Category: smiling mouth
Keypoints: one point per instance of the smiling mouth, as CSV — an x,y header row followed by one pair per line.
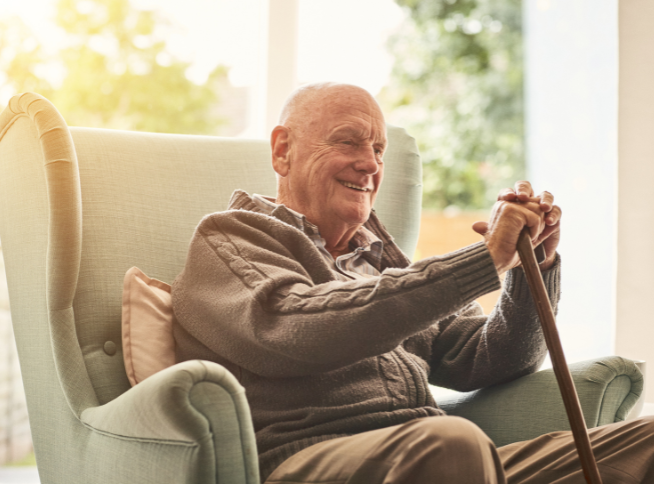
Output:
x,y
354,187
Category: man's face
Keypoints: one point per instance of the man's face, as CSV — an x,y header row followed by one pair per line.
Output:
x,y
336,164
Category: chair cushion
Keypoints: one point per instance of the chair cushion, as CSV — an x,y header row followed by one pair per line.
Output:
x,y
147,329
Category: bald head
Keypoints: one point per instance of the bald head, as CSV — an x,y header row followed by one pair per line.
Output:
x,y
305,106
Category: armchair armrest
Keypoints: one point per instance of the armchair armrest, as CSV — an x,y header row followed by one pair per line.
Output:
x,y
198,404
531,406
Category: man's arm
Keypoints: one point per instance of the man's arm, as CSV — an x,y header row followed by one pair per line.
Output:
x,y
470,350
257,293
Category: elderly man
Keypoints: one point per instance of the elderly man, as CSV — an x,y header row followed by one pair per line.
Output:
x,y
335,334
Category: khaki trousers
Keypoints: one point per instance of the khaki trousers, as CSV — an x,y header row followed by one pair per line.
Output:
x,y
453,450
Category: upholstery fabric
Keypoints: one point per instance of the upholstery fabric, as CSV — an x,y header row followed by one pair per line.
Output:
x,y
78,207
617,380
147,326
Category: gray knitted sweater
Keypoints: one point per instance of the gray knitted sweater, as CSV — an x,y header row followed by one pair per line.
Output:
x,y
321,358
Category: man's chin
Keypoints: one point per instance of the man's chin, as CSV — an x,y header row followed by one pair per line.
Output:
x,y
358,218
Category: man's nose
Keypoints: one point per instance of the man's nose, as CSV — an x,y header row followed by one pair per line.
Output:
x,y
367,162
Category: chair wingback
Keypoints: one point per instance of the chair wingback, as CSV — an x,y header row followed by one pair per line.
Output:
x,y
49,172
116,199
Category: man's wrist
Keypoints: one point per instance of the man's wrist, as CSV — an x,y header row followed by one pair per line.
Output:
x,y
548,263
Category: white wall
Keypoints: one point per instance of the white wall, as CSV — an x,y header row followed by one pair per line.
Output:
x,y
282,56
571,104
635,269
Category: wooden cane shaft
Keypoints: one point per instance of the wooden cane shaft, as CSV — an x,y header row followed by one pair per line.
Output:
x,y
563,377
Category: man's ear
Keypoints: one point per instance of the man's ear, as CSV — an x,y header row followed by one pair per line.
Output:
x,y
280,144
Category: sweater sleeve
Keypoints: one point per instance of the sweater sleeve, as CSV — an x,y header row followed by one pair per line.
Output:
x,y
469,350
259,294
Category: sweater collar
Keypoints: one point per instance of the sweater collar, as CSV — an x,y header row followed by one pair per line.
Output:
x,y
362,239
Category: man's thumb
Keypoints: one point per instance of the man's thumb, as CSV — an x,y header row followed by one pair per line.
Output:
x,y
480,227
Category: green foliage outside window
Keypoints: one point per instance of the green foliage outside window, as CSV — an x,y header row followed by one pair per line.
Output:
x,y
116,71
457,86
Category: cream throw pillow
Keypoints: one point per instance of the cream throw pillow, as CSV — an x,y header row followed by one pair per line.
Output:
x,y
148,343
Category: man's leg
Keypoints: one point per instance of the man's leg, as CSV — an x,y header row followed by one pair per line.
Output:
x,y
426,450
624,452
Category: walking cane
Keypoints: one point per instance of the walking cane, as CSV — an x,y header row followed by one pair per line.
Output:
x,y
566,385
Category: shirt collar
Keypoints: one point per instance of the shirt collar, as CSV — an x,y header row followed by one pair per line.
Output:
x,y
363,237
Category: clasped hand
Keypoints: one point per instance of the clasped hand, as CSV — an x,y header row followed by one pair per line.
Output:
x,y
516,208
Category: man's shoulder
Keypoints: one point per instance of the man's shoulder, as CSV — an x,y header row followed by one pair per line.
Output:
x,y
239,220
240,209
244,219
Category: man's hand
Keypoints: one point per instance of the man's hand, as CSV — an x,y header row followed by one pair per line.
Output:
x,y
515,209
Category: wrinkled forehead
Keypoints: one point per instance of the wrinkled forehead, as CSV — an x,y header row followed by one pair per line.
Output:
x,y
354,110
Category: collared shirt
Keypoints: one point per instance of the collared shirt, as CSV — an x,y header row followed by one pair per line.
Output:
x,y
347,266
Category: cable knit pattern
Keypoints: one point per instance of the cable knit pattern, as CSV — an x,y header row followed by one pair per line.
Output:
x,y
322,358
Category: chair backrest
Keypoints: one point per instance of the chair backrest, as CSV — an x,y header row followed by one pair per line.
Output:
x,y
79,206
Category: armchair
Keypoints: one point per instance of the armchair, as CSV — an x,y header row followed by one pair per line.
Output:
x,y
80,206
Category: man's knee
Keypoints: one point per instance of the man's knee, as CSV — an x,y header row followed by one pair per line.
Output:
x,y
450,447
454,432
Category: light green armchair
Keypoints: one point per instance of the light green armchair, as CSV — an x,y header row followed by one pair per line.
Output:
x,y
78,207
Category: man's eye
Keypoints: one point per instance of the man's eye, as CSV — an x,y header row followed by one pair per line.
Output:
x,y
349,143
